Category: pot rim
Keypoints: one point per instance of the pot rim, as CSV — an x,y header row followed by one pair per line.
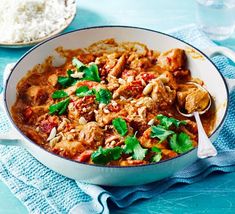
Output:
x,y
111,26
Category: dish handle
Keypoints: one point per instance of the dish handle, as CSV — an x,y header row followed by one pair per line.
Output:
x,y
214,51
11,137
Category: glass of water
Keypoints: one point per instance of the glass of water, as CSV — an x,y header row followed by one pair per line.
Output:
x,y
216,18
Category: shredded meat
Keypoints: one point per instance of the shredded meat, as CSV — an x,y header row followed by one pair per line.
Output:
x,y
172,60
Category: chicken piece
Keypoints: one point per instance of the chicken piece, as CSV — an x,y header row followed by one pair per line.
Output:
x,y
107,62
139,63
82,107
36,95
197,100
181,96
92,135
172,60
118,68
146,141
132,89
138,112
163,95
52,79
67,148
113,83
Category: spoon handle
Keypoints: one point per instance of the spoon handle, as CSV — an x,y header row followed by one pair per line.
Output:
x,y
205,147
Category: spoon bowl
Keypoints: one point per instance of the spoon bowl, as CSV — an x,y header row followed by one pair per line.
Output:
x,y
202,111
205,147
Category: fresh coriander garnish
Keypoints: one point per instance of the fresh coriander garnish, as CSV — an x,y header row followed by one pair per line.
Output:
x,y
133,147
83,91
60,107
103,96
78,64
181,143
167,122
59,94
67,81
120,125
158,154
91,72
160,132
104,156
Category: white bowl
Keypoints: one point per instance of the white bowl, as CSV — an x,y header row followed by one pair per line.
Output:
x,y
200,66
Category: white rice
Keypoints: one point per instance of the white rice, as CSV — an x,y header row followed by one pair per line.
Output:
x,y
29,20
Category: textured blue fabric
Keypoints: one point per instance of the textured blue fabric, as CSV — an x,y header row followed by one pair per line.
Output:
x,y
44,191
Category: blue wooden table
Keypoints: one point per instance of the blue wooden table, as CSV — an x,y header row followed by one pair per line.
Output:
x,y
216,194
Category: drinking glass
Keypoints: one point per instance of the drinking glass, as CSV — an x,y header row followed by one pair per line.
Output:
x,y
216,18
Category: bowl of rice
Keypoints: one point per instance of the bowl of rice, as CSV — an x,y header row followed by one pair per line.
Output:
x,y
28,22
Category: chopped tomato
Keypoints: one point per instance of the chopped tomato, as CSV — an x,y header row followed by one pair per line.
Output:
x,y
113,108
28,112
135,88
127,73
85,156
48,124
147,77
89,84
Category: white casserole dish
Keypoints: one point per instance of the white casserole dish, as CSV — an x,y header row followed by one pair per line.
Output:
x,y
200,66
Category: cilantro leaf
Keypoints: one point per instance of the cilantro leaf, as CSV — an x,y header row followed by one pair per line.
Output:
x,y
91,73
59,94
133,147
160,132
69,72
158,154
120,125
167,122
155,149
67,80
181,143
104,156
84,91
60,107
103,96
78,64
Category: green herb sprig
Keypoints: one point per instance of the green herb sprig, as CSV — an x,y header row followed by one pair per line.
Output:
x,y
133,147
179,143
167,122
59,94
104,156
120,125
59,107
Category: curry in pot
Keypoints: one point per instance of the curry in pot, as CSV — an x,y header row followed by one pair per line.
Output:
x,y
112,104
